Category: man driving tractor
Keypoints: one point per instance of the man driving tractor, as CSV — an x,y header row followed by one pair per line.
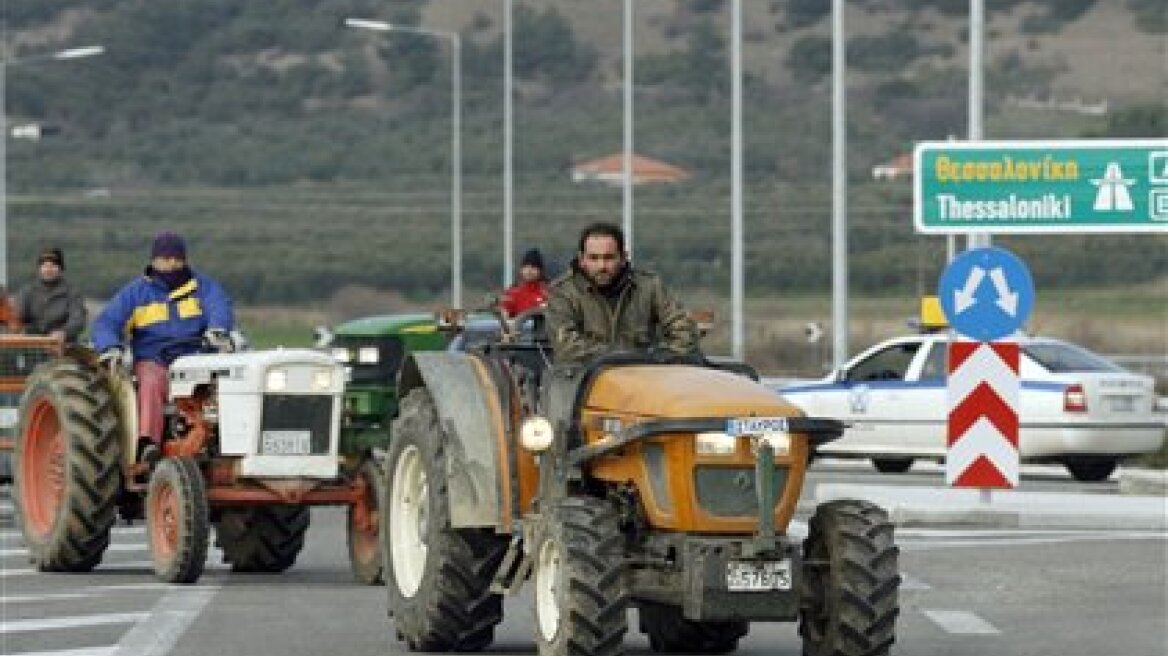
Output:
x,y
165,313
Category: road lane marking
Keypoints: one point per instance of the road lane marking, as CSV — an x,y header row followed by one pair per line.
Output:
x,y
960,622
45,624
166,623
84,593
21,551
104,650
116,530
923,545
912,583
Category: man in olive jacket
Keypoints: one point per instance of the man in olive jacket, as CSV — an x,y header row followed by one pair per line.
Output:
x,y
50,305
602,304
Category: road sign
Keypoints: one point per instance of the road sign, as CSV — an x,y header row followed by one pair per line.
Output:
x,y
986,293
1094,185
982,439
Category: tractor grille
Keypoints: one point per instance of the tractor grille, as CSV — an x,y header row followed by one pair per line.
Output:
x,y
730,491
18,362
298,412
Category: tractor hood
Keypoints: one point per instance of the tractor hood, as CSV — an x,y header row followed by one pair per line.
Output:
x,y
678,391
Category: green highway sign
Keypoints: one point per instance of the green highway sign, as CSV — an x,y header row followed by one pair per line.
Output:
x,y
1090,185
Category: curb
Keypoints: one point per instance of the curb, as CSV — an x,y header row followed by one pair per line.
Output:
x,y
1143,482
928,506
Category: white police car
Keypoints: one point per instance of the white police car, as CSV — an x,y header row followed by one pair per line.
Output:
x,y
1077,408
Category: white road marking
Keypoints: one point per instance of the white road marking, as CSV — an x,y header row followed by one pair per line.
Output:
x,y
923,545
19,626
116,530
104,650
84,593
961,622
167,621
21,551
912,583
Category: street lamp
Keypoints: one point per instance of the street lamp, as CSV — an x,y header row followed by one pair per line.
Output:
x,y
455,138
5,62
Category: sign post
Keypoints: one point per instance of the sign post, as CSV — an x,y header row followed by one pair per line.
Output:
x,y
1036,187
987,294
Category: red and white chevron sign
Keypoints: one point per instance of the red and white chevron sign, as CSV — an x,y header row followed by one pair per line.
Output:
x,y
983,415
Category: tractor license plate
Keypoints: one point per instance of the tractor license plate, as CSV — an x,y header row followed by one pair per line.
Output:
x,y
752,576
756,425
286,443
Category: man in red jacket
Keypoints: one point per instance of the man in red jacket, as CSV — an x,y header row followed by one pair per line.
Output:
x,y
532,288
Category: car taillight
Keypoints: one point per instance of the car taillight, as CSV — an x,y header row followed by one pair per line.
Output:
x,y
1074,399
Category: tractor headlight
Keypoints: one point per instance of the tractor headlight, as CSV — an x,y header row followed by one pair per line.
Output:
x,y
535,434
780,442
342,355
277,380
368,355
715,444
322,380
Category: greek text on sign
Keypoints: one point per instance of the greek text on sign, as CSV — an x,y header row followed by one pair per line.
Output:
x,y
1095,185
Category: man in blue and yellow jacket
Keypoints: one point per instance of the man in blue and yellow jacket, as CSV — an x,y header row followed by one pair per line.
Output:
x,y
166,313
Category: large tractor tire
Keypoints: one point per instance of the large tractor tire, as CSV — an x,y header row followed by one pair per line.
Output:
x,y
438,578
176,520
67,467
580,598
671,633
365,557
262,539
850,581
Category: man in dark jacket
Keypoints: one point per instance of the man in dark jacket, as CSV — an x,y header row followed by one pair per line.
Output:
x,y
50,305
603,304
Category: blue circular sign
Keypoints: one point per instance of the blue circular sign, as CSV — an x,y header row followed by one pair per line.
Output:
x,y
986,293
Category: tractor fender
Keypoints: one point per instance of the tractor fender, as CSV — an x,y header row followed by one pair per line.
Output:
x,y
473,420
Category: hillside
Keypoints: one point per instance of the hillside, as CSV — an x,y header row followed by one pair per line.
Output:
x,y
303,158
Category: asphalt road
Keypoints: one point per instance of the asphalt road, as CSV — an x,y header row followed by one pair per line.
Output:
x,y
966,592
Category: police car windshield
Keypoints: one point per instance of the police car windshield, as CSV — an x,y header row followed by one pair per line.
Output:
x,y
1064,358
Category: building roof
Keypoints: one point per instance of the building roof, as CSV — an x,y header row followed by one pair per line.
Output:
x,y
610,169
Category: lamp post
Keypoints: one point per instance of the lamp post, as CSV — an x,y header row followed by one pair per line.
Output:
x,y
5,62
508,149
455,138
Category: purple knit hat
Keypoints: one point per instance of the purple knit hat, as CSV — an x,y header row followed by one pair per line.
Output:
x,y
168,244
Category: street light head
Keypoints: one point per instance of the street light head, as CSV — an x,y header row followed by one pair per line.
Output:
x,y
78,53
365,24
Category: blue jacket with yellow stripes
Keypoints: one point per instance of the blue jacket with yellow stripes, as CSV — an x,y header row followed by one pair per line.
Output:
x,y
162,324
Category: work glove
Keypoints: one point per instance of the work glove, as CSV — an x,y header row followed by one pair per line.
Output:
x,y
113,360
219,339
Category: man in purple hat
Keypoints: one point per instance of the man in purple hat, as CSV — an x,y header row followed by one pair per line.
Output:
x,y
170,311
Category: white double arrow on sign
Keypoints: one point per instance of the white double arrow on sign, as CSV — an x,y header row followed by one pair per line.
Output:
x,y
1007,300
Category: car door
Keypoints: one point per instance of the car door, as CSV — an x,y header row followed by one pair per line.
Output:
x,y
879,389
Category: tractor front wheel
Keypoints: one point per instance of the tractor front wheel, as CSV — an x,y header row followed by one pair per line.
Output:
x,y
67,472
849,600
262,539
671,633
364,537
176,520
438,578
580,599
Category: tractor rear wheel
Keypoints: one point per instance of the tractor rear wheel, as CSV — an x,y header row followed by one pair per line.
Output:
x,y
850,581
67,467
263,539
438,578
176,520
671,633
580,599
364,538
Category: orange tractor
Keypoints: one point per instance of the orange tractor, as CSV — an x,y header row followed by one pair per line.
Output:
x,y
632,482
19,355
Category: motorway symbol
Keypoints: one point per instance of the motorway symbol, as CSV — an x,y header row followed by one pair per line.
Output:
x,y
986,312
1113,195
982,436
